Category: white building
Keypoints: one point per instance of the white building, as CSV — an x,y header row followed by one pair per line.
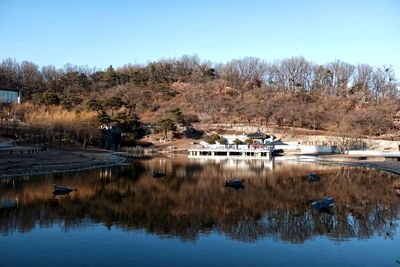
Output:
x,y
260,148
10,95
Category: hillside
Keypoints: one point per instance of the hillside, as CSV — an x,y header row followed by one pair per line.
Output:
x,y
337,97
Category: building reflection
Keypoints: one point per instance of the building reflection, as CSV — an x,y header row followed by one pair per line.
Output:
x,y
191,200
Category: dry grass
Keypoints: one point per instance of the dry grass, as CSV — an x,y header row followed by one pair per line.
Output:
x,y
76,125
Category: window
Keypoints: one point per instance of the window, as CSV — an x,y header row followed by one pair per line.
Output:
x,y
8,96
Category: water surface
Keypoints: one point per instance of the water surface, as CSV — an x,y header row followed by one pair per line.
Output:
x,y
122,216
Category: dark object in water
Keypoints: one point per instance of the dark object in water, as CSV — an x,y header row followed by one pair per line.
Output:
x,y
313,177
278,152
158,174
323,204
235,183
62,189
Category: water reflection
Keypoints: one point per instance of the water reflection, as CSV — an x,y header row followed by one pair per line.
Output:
x,y
191,200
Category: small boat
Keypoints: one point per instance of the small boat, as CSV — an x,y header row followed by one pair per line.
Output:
x,y
158,174
62,189
234,183
323,204
313,177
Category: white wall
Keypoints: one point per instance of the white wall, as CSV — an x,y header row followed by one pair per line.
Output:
x,y
316,149
287,147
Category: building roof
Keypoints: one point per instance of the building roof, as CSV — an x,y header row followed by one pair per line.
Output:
x,y
258,135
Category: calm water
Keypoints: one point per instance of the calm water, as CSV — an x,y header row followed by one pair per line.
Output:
x,y
122,216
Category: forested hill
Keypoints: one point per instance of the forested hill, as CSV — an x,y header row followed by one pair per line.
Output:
x,y
292,91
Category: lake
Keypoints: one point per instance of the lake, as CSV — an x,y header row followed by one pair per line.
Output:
x,y
123,216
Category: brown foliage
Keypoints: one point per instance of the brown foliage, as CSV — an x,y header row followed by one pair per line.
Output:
x,y
288,92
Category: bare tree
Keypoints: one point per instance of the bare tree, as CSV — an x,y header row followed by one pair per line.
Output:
x,y
187,68
297,73
341,74
363,76
348,134
10,73
322,80
32,78
249,70
383,83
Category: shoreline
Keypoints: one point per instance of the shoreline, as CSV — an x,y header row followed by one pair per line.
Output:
x,y
33,173
376,165
56,161
59,161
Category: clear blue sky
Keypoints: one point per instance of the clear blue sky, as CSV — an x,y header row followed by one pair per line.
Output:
x,y
100,33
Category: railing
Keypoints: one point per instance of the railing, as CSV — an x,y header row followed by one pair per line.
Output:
x,y
139,151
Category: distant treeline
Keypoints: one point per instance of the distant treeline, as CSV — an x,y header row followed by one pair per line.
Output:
x,y
291,74
337,96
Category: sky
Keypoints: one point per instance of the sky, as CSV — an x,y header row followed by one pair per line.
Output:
x,y
102,33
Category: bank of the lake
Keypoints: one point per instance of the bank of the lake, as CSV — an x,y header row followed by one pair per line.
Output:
x,y
64,160
27,161
377,163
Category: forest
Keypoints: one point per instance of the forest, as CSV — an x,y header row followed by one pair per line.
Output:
x,y
72,102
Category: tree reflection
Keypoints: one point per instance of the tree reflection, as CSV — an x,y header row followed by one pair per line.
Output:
x,y
191,201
